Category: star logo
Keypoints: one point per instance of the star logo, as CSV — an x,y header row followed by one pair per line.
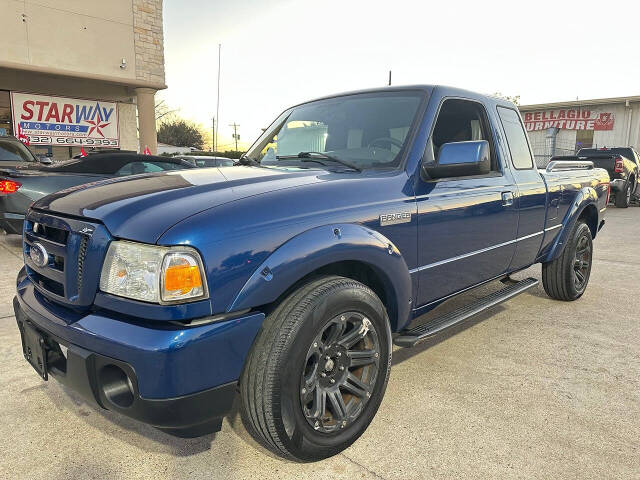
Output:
x,y
97,124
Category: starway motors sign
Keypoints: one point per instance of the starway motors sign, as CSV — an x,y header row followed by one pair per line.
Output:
x,y
570,119
68,122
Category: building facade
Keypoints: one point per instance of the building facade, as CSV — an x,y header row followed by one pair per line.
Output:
x,y
81,74
563,128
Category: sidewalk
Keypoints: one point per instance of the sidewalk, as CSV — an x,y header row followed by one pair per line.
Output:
x,y
10,264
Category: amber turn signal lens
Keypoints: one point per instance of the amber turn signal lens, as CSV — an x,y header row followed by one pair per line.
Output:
x,y
182,277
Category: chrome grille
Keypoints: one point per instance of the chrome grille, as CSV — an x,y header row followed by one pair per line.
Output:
x,y
75,251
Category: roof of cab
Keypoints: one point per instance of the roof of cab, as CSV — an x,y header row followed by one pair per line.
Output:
x,y
441,89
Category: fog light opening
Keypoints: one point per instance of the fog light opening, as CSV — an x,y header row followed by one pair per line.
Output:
x,y
116,386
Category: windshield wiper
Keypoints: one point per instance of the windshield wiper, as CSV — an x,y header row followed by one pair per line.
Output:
x,y
317,157
245,160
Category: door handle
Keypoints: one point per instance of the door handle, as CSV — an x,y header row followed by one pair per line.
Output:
x,y
507,199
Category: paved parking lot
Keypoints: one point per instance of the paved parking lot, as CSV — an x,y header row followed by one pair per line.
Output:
x,y
534,389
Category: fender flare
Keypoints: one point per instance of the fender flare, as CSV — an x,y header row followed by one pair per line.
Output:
x,y
585,197
322,246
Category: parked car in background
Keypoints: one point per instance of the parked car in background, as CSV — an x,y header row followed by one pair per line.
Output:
x,y
205,161
98,151
288,278
623,166
21,187
15,154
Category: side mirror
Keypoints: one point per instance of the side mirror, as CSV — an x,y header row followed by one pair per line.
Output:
x,y
461,159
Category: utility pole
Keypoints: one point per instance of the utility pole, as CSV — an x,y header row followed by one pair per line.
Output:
x,y
215,137
235,133
389,77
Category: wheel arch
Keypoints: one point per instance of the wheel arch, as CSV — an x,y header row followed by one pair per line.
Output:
x,y
584,208
348,250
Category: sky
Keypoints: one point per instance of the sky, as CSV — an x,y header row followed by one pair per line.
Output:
x,y
279,53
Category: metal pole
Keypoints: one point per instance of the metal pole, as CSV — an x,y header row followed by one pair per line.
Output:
x,y
235,133
218,101
389,77
213,134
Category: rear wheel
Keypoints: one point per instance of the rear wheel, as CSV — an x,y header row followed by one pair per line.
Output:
x,y
566,277
318,369
623,198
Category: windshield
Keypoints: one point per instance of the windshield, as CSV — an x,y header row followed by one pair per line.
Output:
x,y
12,151
364,131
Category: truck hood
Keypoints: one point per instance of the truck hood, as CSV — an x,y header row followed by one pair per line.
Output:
x,y
143,207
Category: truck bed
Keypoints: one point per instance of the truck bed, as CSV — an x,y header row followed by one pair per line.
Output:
x,y
605,161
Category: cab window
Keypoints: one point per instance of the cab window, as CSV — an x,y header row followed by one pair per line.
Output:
x,y
516,138
461,121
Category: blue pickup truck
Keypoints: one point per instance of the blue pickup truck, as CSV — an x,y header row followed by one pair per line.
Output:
x,y
288,278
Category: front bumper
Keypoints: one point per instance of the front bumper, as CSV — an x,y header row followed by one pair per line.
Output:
x,y
179,379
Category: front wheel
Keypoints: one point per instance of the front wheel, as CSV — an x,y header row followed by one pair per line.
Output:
x,y
566,277
318,369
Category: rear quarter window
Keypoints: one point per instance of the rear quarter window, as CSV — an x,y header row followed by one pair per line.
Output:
x,y
516,138
14,152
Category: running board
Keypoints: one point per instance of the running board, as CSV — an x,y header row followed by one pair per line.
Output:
x,y
409,338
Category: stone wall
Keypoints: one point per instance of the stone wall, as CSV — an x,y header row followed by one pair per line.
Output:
x,y
148,40
128,126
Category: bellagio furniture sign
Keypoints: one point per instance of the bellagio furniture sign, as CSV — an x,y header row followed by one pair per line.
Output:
x,y
57,121
569,119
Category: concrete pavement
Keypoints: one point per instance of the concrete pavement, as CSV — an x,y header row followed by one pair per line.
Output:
x,y
534,389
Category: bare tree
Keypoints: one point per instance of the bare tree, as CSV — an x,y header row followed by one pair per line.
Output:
x,y
163,110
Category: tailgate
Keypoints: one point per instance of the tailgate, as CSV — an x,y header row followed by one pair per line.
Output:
x,y
608,163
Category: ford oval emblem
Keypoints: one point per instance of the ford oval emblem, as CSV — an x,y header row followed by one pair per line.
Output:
x,y
39,255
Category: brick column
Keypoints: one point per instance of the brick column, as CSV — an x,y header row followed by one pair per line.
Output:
x,y
147,119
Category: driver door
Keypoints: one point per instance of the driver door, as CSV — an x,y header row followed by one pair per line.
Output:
x,y
467,226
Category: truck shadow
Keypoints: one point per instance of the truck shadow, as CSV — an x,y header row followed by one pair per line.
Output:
x,y
146,437
125,429
403,354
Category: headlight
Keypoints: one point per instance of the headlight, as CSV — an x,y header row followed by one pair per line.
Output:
x,y
153,274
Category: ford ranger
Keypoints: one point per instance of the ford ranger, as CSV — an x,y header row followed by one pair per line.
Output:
x,y
287,279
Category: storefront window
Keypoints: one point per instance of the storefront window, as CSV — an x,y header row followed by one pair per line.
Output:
x,y
5,113
584,139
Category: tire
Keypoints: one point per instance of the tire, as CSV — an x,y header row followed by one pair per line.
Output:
x,y
566,278
283,379
623,198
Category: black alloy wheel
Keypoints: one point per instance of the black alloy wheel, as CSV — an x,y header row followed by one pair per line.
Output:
x,y
582,262
566,278
318,369
340,372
